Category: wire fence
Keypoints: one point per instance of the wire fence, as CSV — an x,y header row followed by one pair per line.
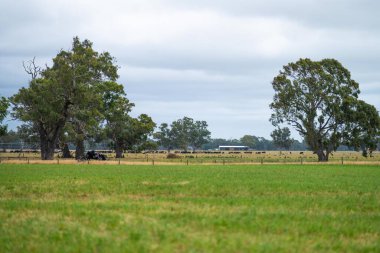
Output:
x,y
29,152
151,160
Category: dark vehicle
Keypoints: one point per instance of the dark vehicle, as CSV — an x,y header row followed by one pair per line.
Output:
x,y
95,156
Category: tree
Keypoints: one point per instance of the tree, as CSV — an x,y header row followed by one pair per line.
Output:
x,y
125,131
249,141
4,103
315,97
264,144
183,133
85,119
130,133
57,94
163,137
364,127
281,138
199,134
140,129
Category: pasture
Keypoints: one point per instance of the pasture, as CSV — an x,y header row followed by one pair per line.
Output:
x,y
195,208
202,157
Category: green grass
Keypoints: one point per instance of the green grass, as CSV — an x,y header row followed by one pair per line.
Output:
x,y
270,208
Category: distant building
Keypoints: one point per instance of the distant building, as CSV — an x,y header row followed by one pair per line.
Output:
x,y
233,148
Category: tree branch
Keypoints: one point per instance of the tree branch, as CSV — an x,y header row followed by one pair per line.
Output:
x,y
31,68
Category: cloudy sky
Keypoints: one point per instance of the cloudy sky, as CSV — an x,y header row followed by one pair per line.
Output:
x,y
209,60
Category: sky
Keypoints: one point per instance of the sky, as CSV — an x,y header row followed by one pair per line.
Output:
x,y
208,60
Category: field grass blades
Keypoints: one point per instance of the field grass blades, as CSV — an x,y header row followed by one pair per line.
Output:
x,y
265,208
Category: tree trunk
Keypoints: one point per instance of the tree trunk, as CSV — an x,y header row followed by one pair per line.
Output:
x,y
47,149
48,144
322,157
79,149
49,135
119,150
66,151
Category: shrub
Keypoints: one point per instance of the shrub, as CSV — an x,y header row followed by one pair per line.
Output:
x,y
172,156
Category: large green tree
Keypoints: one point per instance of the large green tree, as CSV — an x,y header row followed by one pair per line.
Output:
x,y
199,134
249,141
363,127
59,93
316,98
183,133
84,121
4,103
163,137
126,132
281,138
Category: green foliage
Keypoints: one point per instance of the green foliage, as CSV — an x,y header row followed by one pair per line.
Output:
x,y
281,138
315,97
64,93
199,134
249,141
89,208
4,103
183,133
163,136
363,128
126,132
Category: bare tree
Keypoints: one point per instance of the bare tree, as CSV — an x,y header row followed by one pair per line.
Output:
x,y
31,68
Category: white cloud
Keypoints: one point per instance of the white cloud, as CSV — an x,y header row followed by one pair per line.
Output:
x,y
213,60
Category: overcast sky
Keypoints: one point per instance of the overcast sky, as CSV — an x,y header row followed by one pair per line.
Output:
x,y
209,60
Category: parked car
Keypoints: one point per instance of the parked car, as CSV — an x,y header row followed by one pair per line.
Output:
x,y
95,155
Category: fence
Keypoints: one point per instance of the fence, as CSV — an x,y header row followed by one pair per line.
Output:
x,y
152,160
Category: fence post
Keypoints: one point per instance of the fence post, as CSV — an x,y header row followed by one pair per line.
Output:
x,y
262,160
119,161
342,160
187,162
301,160
153,162
224,162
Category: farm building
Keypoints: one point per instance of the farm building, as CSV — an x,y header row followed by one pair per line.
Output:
x,y
233,148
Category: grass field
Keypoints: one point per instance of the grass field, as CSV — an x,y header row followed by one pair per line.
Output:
x,y
269,208
227,157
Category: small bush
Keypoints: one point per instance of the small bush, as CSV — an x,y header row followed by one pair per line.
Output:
x,y
172,156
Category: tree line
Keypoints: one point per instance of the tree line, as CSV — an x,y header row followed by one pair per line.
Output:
x,y
78,99
258,143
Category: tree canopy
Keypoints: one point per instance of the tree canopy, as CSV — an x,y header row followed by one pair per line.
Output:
x,y
183,133
317,98
74,97
4,103
249,141
363,127
281,138
60,93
